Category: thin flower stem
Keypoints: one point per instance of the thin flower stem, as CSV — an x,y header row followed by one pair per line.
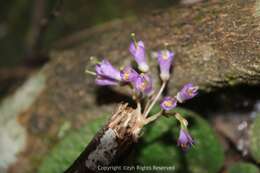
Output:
x,y
90,72
166,45
153,117
183,121
134,40
148,102
155,99
138,106
94,60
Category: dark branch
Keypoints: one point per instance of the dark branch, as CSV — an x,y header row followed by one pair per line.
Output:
x,y
111,143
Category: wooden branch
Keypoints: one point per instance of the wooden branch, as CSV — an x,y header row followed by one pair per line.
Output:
x,y
110,143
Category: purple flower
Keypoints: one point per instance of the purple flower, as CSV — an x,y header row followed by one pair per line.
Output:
x,y
143,84
165,59
105,81
187,92
168,103
107,74
185,140
105,69
128,74
138,52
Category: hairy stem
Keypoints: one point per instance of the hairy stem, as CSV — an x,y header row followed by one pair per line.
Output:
x,y
112,142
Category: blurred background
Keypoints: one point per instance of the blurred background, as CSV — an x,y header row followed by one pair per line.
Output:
x,y
30,28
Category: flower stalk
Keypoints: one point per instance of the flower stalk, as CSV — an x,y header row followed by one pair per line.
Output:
x,y
126,124
141,81
155,99
153,117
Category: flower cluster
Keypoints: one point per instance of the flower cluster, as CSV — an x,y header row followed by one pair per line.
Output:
x,y
141,82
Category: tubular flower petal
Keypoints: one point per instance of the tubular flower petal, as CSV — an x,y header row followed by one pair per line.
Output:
x,y
105,69
165,59
128,74
185,140
168,103
105,81
187,92
107,74
138,52
143,84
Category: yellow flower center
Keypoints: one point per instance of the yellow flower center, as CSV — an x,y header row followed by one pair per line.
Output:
x,y
184,146
165,55
143,85
126,75
190,92
168,103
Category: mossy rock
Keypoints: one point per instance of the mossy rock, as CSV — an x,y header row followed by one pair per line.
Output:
x,y
243,167
65,152
255,139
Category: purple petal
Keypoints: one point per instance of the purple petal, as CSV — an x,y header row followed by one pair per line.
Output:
x,y
187,92
185,140
143,84
168,103
106,82
138,52
105,69
165,59
128,74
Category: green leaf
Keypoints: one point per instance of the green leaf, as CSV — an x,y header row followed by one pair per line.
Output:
x,y
154,154
207,155
243,167
65,152
254,133
159,145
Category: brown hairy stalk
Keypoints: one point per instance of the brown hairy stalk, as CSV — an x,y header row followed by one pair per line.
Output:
x,y
112,142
